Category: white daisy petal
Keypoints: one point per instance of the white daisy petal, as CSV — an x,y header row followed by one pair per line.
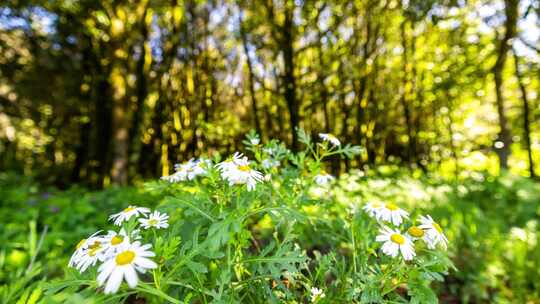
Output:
x,y
145,263
434,232
113,284
330,138
394,243
131,276
188,170
387,212
237,171
127,213
155,220
105,271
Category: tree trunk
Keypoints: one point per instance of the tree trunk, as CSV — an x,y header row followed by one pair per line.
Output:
x,y
142,93
404,95
120,119
289,78
511,12
526,114
101,136
256,120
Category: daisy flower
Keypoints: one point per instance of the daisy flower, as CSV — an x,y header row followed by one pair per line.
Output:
x,y
188,170
330,138
415,233
130,259
395,243
94,252
228,165
323,178
316,294
391,213
83,247
372,208
127,213
239,172
433,231
114,240
156,220
191,169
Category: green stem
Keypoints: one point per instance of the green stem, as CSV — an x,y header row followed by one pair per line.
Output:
x,y
353,247
196,209
176,283
157,292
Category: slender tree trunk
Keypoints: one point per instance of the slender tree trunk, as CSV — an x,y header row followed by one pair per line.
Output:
x,y
405,93
415,95
120,118
526,114
142,93
256,119
323,90
120,133
511,12
360,89
80,168
289,78
103,121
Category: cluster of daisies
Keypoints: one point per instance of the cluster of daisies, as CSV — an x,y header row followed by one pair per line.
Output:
x,y
238,169
235,170
189,170
121,253
396,242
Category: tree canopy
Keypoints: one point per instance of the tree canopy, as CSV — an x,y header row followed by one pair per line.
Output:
x,y
101,92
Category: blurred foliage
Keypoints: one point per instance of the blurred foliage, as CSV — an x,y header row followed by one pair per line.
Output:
x,y
101,92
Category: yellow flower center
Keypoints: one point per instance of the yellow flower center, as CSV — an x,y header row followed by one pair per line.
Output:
x,y
95,245
392,207
416,232
437,227
116,240
80,244
94,248
125,257
152,222
244,168
128,209
397,238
